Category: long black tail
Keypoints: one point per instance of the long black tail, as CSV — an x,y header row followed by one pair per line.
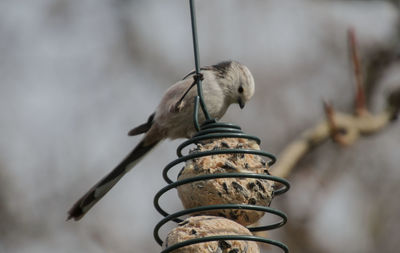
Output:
x,y
83,205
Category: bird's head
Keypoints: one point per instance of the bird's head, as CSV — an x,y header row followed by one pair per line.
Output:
x,y
244,86
236,81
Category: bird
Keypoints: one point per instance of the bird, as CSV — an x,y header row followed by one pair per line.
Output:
x,y
223,84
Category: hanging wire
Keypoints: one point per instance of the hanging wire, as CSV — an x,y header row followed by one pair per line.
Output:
x,y
211,129
197,61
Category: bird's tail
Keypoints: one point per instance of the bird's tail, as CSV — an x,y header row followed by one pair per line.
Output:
x,y
87,201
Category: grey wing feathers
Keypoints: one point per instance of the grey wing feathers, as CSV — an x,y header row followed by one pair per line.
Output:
x,y
143,128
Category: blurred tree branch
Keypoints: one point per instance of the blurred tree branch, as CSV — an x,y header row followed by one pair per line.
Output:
x,y
343,128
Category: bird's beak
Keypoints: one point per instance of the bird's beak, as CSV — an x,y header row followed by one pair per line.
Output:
x,y
241,103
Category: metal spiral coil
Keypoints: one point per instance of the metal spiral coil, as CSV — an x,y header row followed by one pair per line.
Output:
x,y
215,130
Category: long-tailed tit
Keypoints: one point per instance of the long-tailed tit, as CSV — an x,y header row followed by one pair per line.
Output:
x,y
223,84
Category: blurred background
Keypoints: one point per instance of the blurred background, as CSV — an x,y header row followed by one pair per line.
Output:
x,y
76,76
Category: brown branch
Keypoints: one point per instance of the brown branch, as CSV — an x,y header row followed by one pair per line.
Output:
x,y
336,132
351,127
343,128
360,93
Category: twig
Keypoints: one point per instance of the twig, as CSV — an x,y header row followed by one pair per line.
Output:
x,y
343,128
360,93
352,127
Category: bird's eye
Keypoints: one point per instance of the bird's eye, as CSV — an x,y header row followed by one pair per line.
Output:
x,y
240,89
